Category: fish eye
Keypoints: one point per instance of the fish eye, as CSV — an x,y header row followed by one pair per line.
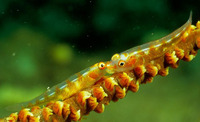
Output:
x,y
121,63
102,65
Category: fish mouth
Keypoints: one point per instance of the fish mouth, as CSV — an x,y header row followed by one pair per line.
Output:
x,y
110,68
110,72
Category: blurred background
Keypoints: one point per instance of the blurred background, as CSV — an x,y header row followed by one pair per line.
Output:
x,y
43,42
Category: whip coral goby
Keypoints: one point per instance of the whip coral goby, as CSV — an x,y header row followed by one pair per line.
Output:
x,y
95,87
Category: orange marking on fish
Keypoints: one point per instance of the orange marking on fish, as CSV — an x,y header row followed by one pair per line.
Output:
x,y
131,60
125,54
93,74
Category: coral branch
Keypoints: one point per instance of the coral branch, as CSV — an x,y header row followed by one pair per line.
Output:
x,y
111,88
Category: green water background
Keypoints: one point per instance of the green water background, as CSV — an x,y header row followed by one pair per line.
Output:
x,y
44,42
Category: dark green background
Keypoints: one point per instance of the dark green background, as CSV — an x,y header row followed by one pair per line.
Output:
x,y
43,42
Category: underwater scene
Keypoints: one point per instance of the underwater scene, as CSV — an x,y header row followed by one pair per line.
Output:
x,y
43,43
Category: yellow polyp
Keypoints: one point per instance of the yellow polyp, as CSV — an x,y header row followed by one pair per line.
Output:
x,y
57,107
46,113
193,27
110,83
104,94
134,86
129,78
34,119
158,66
124,89
12,118
100,108
92,103
185,35
164,49
119,92
113,81
78,114
179,52
152,70
124,79
164,72
137,85
174,56
66,110
152,62
198,24
190,57
24,114
75,114
140,70
86,94
171,58
99,93
103,107
83,96
115,57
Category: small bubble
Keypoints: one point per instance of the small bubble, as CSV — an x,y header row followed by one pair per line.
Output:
x,y
152,33
13,54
